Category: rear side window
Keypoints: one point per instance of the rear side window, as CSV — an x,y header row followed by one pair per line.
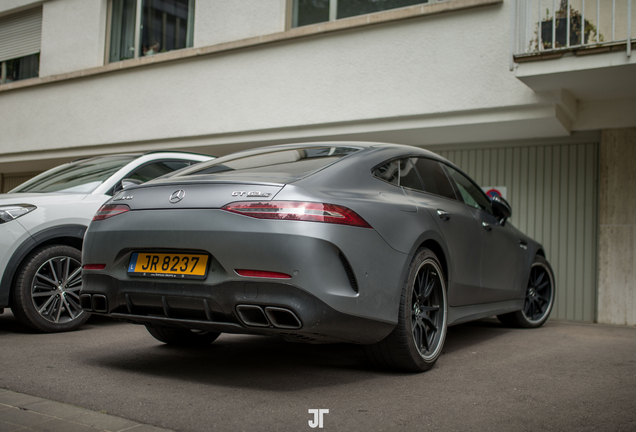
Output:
x,y
157,169
399,172
434,178
292,162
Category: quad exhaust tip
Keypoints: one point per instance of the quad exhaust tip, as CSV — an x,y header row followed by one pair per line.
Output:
x,y
270,316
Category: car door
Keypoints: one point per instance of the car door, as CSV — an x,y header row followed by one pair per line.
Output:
x,y
457,225
500,252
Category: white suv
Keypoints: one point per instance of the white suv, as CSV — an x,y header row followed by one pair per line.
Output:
x,y
42,225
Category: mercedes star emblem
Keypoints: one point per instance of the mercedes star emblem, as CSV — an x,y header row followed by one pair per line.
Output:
x,y
177,196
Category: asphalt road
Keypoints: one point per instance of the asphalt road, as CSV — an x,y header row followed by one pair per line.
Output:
x,y
561,377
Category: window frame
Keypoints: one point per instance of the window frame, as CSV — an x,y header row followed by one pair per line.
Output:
x,y
137,36
445,167
333,12
25,25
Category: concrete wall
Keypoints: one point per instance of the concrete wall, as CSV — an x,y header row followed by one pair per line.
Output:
x,y
218,21
617,228
73,35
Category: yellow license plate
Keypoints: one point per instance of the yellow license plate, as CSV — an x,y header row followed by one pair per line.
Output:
x,y
169,265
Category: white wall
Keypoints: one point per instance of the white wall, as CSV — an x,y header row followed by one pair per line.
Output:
x,y
218,21
454,63
424,81
73,35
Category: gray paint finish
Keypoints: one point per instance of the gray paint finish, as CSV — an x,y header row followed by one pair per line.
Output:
x,y
553,190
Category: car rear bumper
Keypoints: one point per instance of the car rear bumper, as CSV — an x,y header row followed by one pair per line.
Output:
x,y
231,307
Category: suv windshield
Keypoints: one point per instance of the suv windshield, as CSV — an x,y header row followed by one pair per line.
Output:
x,y
293,162
76,177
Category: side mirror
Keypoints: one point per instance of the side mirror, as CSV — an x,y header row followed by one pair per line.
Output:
x,y
501,208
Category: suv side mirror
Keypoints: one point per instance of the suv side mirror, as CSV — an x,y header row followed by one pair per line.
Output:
x,y
502,209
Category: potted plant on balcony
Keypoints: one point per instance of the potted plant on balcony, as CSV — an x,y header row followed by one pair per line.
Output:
x,y
560,33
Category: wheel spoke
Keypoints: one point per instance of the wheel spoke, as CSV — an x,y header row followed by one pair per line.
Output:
x,y
59,311
539,279
418,285
46,304
425,336
67,307
72,294
428,320
41,276
53,271
422,286
429,289
67,265
75,277
417,337
527,306
542,286
43,294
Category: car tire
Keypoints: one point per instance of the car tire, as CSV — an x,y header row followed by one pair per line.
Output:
x,y
418,338
539,298
46,291
182,337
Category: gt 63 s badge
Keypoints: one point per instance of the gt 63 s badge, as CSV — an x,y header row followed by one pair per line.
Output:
x,y
251,194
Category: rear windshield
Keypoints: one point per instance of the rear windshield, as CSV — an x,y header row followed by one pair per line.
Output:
x,y
76,177
289,163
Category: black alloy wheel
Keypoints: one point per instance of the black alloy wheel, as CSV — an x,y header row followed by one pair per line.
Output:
x,y
427,314
417,341
46,293
539,297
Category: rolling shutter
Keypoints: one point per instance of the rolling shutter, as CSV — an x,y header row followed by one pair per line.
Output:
x,y
20,34
553,190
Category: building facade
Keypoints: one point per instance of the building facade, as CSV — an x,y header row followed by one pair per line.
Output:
x,y
535,97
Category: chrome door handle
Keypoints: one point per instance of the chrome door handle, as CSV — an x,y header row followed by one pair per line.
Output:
x,y
486,226
444,215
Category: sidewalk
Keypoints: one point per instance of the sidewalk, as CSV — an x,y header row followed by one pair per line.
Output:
x,y
21,412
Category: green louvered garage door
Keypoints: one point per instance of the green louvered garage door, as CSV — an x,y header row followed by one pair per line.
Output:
x,y
553,190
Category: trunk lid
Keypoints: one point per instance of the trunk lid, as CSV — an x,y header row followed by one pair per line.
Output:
x,y
190,194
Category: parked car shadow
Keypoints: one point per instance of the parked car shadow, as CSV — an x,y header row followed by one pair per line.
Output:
x,y
269,363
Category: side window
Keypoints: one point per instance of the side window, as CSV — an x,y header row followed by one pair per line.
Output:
x,y
389,172
400,173
471,194
434,178
157,169
408,175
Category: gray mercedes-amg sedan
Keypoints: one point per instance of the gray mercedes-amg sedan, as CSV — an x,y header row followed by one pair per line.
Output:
x,y
377,244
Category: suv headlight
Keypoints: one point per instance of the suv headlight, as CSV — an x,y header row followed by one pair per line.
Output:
x,y
14,211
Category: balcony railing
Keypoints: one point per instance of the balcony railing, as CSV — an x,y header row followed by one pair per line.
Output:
x,y
552,26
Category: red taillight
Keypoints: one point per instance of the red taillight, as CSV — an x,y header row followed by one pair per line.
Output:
x,y
300,211
262,274
109,210
94,266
